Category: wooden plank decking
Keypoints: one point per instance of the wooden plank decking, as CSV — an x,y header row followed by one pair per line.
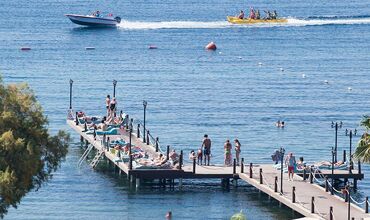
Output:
x,y
304,190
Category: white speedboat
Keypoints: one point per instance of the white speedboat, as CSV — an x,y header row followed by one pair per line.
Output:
x,y
94,21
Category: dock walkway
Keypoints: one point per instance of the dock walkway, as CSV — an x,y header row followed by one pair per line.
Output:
x,y
304,191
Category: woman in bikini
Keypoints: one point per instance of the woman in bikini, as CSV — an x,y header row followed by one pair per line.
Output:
x,y
237,151
227,148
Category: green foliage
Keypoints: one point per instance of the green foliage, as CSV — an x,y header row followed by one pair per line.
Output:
x,y
28,153
363,147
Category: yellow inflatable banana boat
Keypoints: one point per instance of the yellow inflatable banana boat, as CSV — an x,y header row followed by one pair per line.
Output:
x,y
236,20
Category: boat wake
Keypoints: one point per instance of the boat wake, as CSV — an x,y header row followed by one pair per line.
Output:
x,y
294,22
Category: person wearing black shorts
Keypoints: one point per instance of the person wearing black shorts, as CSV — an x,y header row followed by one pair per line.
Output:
x,y
206,145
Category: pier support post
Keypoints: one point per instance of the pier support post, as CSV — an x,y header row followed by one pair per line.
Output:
x,y
94,134
276,184
127,121
331,216
293,194
234,166
312,204
194,165
261,181
77,118
235,182
147,137
250,170
168,152
344,156
81,139
181,159
242,166
132,123
138,131
156,144
180,183
108,142
367,204
311,176
137,183
304,174
85,127
326,184
359,167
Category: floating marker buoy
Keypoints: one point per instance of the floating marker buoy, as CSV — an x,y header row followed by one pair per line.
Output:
x,y
89,48
349,89
25,48
240,58
326,81
152,47
260,64
303,76
211,46
219,52
281,69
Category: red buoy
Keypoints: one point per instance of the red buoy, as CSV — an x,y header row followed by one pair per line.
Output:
x,y
211,46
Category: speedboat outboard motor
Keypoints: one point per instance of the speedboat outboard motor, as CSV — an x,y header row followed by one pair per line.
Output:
x,y
118,19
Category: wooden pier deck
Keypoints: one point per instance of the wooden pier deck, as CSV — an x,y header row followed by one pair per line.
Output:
x,y
304,191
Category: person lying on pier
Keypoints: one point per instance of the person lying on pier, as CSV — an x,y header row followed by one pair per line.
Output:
x,y
327,163
160,160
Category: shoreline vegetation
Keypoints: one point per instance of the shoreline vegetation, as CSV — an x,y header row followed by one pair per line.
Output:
x,y
28,153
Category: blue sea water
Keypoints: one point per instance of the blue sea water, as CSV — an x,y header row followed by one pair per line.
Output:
x,y
190,92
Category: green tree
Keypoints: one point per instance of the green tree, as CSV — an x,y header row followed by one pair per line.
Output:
x,y
28,153
363,147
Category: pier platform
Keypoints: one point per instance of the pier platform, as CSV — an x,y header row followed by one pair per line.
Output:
x,y
302,196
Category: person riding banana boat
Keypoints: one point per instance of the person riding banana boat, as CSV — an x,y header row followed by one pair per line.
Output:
x,y
255,17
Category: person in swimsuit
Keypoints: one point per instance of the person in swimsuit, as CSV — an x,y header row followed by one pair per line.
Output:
x,y
237,151
241,15
206,145
107,103
227,149
290,162
112,107
200,157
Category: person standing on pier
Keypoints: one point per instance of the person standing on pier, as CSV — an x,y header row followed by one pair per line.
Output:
x,y
290,162
228,157
206,145
237,151
107,103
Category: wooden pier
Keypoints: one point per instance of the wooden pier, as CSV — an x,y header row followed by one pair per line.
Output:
x,y
301,195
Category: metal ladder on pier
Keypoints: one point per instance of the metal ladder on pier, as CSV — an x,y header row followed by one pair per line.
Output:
x,y
85,154
97,157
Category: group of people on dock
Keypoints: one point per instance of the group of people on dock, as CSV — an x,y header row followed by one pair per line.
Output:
x,y
205,152
255,14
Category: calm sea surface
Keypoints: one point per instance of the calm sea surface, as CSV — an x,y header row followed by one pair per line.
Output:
x,y
190,92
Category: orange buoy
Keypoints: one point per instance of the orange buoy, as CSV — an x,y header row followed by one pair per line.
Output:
x,y
25,48
211,46
152,47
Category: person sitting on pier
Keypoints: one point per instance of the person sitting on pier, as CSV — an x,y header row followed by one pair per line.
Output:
x,y
192,155
174,157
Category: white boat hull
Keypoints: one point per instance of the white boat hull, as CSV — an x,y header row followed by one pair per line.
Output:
x,y
88,20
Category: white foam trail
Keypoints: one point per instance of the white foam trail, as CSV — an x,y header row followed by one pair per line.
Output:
x,y
173,25
224,24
